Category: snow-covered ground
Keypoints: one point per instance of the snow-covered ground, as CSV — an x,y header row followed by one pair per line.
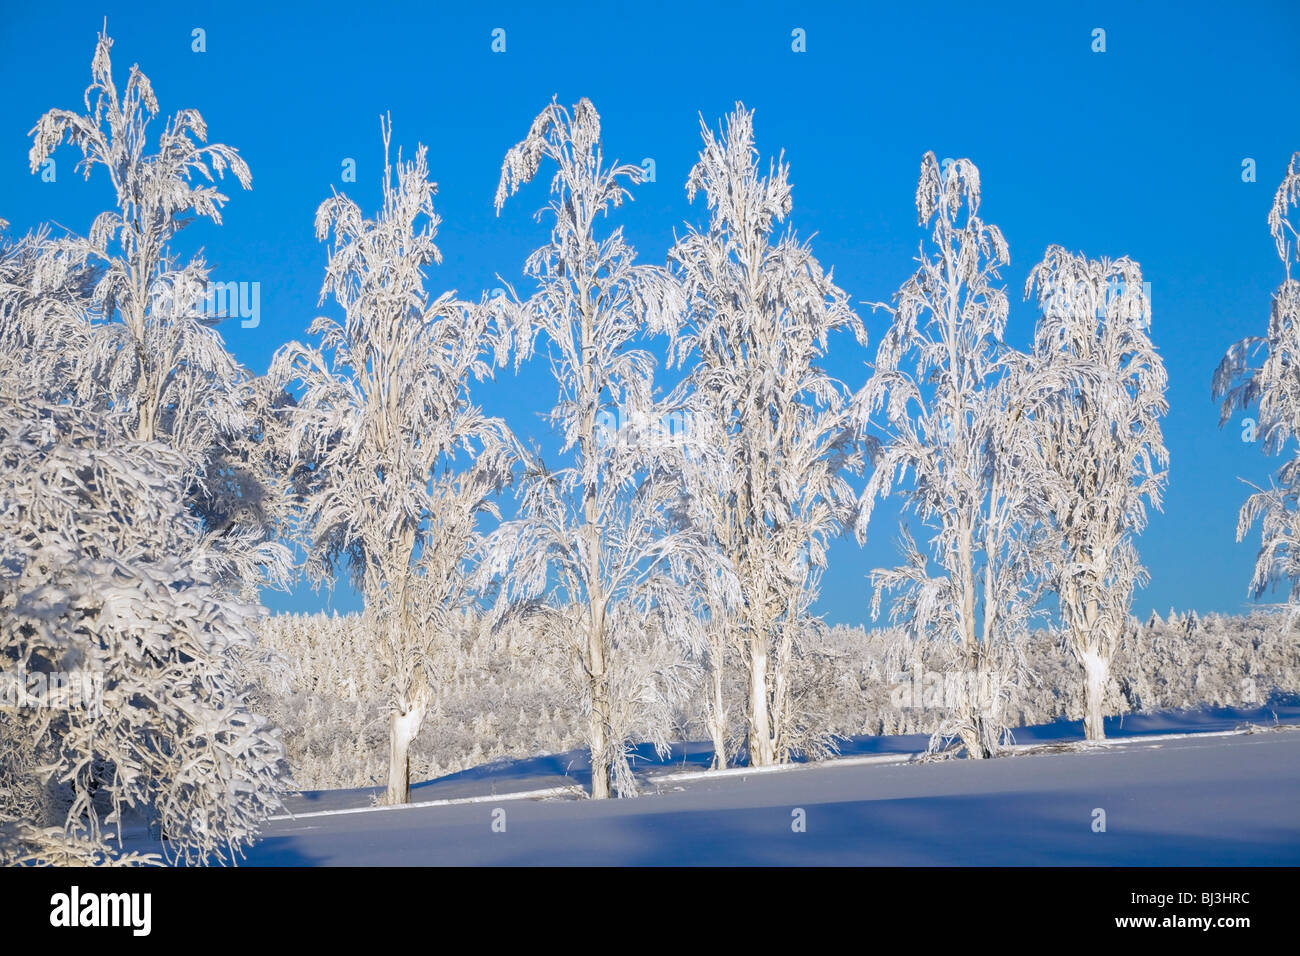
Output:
x,y
1213,798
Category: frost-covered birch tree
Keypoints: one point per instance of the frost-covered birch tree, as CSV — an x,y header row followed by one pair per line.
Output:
x,y
760,313
153,356
1262,371
952,444
399,465
597,551
1100,449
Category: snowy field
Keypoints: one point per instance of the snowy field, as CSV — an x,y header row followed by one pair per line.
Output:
x,y
1211,798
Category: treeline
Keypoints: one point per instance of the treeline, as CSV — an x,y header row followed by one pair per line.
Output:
x,y
503,696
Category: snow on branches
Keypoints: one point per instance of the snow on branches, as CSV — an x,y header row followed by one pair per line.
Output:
x,y
152,355
948,441
101,576
759,314
1093,390
396,463
598,551
1274,386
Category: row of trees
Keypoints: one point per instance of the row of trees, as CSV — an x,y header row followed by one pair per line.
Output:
x,y
509,695
1032,470
648,553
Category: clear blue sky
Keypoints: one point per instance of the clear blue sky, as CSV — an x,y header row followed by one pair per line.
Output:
x,y
1137,151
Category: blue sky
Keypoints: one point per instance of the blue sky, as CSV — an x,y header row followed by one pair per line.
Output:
x,y
1137,151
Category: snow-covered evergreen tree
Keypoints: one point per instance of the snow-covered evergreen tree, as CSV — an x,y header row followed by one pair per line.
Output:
x,y
598,551
1101,456
952,442
759,317
400,463
1274,385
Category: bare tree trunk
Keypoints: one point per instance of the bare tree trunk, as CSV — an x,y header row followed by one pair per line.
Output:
x,y
1091,644
974,734
599,723
1096,670
597,676
598,680
717,711
761,753
781,695
402,731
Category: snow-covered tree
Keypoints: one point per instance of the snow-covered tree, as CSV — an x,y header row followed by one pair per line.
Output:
x,y
1262,371
953,444
597,552
398,464
1101,457
99,581
103,581
760,311
153,356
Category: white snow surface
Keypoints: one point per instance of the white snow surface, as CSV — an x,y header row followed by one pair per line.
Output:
x,y
1215,787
